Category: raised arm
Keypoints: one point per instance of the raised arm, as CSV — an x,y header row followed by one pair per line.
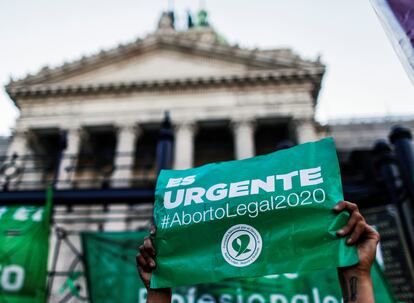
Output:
x,y
146,264
356,282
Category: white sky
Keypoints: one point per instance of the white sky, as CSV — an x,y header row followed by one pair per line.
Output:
x,y
364,76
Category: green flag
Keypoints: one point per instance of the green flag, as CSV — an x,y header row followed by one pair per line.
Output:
x,y
110,265
264,215
24,237
112,277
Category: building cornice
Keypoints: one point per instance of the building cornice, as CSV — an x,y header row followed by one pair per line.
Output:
x,y
314,75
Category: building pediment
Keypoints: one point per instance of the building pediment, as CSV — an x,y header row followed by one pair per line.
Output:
x,y
157,64
163,56
167,59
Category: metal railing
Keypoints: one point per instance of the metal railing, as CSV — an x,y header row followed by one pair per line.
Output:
x,y
66,255
80,171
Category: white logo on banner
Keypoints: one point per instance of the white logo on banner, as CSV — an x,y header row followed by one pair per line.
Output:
x,y
241,245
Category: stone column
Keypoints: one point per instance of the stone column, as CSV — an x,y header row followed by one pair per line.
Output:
x,y
34,173
69,159
305,131
243,132
18,144
18,148
122,176
184,145
124,158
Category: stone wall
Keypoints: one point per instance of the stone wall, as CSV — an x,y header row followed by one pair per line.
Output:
x,y
362,133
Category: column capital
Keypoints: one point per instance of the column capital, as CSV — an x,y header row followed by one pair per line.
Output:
x,y
243,132
184,144
133,128
241,120
69,126
248,123
186,125
19,142
74,135
20,133
305,130
72,130
303,120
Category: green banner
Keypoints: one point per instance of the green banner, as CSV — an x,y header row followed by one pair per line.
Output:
x,y
264,215
24,247
112,277
110,265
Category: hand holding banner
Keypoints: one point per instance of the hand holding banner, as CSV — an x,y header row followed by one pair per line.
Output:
x,y
264,215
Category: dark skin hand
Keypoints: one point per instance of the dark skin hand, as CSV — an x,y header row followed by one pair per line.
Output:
x,y
146,264
355,280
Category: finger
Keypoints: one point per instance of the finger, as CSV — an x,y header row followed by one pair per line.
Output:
x,y
345,205
136,259
140,269
142,263
143,275
372,233
150,261
355,218
359,229
147,284
148,246
153,230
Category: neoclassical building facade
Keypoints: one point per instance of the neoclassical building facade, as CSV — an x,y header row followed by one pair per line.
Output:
x,y
225,103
